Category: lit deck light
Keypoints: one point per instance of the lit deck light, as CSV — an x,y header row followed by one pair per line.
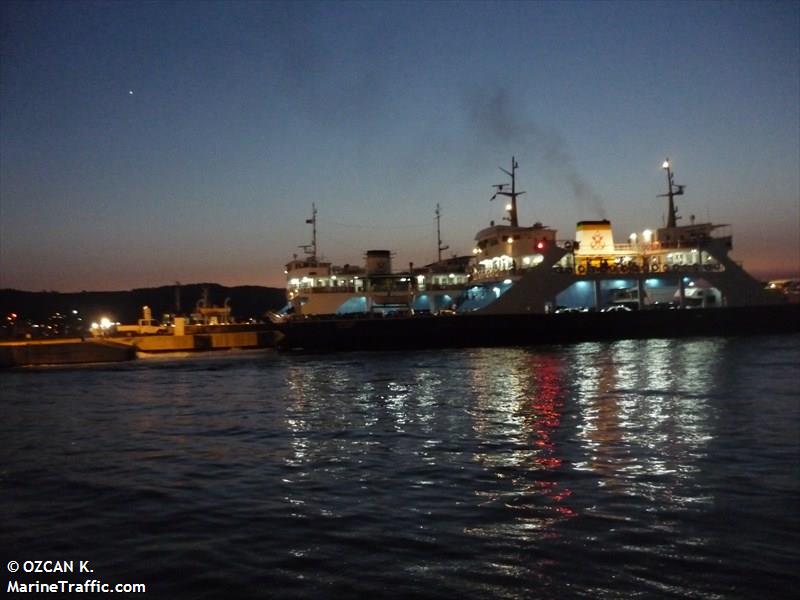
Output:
x,y
510,240
508,206
665,164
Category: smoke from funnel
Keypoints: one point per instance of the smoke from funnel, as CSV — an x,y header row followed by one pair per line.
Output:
x,y
491,115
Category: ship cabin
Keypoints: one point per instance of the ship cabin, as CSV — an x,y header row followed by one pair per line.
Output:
x,y
505,250
690,247
315,287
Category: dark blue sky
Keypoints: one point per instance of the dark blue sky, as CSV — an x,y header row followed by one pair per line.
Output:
x,y
244,113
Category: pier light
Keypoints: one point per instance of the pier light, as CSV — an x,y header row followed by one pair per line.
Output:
x,y
647,235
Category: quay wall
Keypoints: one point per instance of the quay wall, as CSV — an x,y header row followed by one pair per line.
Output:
x,y
63,352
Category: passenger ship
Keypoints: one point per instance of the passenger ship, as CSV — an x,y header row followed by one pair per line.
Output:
x,y
527,269
317,287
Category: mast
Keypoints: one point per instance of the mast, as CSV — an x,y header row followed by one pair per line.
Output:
x,y
311,249
672,190
439,247
501,191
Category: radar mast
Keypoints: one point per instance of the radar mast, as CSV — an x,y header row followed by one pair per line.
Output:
x,y
672,190
502,191
311,249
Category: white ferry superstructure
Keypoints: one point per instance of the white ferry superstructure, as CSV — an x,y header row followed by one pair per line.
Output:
x,y
316,287
529,270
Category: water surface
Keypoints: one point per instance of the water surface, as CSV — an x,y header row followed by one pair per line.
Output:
x,y
647,468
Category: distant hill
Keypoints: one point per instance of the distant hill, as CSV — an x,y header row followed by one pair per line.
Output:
x,y
126,306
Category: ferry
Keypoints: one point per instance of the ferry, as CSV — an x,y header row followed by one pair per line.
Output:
x,y
530,270
316,287
525,285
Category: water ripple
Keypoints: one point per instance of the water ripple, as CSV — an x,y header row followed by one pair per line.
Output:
x,y
642,468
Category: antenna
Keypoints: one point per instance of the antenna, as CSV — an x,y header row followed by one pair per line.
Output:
x,y
439,247
672,190
501,191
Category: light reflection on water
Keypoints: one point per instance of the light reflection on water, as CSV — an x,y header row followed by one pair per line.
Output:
x,y
493,472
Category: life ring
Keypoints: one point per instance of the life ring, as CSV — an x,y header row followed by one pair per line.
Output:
x,y
581,270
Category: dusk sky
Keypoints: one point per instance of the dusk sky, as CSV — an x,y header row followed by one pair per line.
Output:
x,y
147,143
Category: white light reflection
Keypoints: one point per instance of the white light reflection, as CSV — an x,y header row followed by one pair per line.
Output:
x,y
645,416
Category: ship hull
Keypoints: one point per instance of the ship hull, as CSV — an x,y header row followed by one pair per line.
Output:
x,y
475,330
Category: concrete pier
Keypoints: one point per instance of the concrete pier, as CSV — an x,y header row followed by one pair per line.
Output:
x,y
116,349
